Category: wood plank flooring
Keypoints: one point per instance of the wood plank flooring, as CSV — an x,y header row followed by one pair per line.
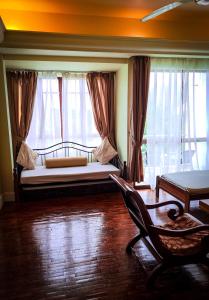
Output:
x,y
74,248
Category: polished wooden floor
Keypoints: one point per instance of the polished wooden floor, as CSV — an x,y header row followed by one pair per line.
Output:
x,y
74,248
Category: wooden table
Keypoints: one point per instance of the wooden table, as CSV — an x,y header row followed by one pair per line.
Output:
x,y
182,192
204,205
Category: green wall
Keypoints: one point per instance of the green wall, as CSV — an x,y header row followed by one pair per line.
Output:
x,y
121,111
6,163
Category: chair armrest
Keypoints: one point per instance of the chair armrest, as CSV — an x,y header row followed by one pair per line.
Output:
x,y
172,213
164,203
178,233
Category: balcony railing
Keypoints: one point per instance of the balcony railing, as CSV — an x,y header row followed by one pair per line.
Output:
x,y
188,146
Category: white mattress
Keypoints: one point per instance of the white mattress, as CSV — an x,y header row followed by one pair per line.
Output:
x,y
93,171
194,182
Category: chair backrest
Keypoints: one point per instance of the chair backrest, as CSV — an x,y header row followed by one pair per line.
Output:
x,y
141,217
135,205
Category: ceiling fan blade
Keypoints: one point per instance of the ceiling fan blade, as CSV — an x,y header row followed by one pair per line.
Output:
x,y
164,9
202,2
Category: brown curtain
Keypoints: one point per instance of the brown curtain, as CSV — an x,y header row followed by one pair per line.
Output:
x,y
21,93
139,73
60,99
102,93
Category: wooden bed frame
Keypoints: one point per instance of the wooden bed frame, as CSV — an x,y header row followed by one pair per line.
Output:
x,y
178,192
82,187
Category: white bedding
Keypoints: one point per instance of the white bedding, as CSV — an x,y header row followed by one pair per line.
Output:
x,y
193,181
93,171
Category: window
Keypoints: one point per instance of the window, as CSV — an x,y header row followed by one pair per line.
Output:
x,y
176,129
62,112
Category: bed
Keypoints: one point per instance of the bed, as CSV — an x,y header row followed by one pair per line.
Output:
x,y
77,180
185,186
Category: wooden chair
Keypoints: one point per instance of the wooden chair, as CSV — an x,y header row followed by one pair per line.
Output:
x,y
183,240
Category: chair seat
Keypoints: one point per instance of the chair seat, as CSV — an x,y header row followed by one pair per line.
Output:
x,y
187,245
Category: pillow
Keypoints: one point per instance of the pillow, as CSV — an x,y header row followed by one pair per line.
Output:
x,y
60,162
27,157
105,152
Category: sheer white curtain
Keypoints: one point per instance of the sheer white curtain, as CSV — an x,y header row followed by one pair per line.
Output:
x,y
45,129
77,114
176,126
59,118
196,100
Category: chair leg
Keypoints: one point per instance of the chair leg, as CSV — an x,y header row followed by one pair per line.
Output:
x,y
157,192
154,273
132,243
187,206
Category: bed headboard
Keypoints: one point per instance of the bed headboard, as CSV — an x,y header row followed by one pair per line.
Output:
x,y
64,149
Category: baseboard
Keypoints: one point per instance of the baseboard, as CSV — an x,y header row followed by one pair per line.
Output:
x,y
9,197
1,202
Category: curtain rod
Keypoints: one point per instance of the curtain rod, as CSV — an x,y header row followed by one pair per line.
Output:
x,y
59,71
52,71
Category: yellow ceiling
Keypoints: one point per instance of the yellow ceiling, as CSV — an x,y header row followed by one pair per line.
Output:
x,y
106,18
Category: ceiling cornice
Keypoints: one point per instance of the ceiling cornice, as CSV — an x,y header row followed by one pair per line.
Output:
x,y
64,42
46,58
